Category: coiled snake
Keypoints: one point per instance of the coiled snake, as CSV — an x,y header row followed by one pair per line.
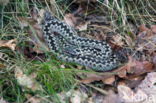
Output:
x,y
64,42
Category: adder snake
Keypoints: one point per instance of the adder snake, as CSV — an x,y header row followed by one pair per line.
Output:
x,y
64,42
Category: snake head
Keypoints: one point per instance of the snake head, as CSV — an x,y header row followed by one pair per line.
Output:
x,y
46,16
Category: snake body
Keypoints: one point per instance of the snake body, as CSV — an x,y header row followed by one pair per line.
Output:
x,y
64,42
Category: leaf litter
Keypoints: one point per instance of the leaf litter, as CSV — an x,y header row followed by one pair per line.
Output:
x,y
132,69
129,73
8,43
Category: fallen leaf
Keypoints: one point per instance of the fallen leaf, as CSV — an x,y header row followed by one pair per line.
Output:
x,y
111,97
147,89
109,80
26,81
146,39
134,81
129,41
148,84
70,19
37,38
78,97
106,77
8,43
143,67
35,30
135,67
74,96
122,82
117,40
82,26
122,71
24,22
91,78
143,28
75,22
127,95
37,49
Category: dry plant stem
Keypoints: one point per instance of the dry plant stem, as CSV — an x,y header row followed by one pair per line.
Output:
x,y
98,89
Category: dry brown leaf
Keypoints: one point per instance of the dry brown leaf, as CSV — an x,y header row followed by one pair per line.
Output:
x,y
111,97
36,33
91,78
37,50
135,67
83,26
78,97
117,40
105,77
148,84
8,43
143,67
109,80
74,21
126,95
147,89
26,81
122,71
38,39
122,82
133,81
144,33
146,38
24,22
143,28
129,41
38,30
41,16
75,96
35,30
70,19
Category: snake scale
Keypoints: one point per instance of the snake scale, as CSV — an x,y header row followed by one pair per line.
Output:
x,y
64,42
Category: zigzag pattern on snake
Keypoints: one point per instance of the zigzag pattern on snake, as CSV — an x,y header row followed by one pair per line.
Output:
x,y
64,42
